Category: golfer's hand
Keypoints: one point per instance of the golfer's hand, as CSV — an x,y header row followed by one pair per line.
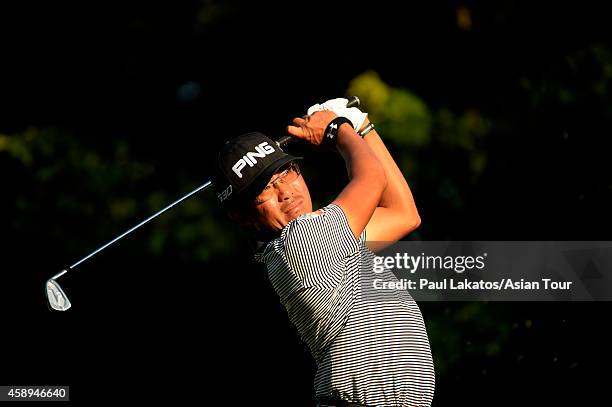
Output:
x,y
338,106
311,128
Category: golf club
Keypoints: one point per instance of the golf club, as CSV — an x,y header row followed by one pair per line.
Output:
x,y
57,298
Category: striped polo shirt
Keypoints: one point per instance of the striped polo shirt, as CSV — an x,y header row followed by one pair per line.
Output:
x,y
370,346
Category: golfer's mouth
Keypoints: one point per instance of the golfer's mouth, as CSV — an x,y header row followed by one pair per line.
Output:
x,y
294,207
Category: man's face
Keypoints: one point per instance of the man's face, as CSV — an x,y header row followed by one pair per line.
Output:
x,y
284,198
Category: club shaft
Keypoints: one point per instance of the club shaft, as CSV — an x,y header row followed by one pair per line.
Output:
x,y
156,214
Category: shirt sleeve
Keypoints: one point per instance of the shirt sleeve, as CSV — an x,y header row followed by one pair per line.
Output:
x,y
317,247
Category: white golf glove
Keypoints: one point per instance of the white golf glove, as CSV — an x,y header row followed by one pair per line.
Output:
x,y
338,106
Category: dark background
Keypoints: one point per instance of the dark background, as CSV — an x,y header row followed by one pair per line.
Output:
x,y
108,111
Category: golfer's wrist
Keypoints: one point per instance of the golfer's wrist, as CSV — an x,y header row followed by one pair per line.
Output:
x,y
345,131
346,137
365,124
332,131
366,128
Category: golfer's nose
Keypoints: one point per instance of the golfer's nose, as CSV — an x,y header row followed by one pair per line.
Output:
x,y
284,190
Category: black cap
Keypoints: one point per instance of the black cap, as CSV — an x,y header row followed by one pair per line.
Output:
x,y
246,164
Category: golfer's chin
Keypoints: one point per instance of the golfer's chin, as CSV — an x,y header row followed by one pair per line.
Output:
x,y
291,215
295,209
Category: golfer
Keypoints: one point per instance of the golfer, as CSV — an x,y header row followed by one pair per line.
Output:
x,y
371,346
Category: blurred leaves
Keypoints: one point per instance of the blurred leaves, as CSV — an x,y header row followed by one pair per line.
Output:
x,y
421,139
581,76
97,195
405,120
465,132
17,147
209,11
398,113
464,18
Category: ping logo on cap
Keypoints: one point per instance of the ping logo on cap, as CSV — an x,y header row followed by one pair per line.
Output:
x,y
250,158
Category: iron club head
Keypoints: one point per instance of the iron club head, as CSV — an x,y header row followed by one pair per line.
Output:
x,y
56,296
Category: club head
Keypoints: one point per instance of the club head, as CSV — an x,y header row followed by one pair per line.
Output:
x,y
56,296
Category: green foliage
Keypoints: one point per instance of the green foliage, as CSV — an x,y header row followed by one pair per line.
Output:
x,y
442,153
405,121
466,133
398,113
107,192
210,11
582,76
17,147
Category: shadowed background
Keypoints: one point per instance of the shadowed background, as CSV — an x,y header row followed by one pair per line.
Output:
x,y
498,114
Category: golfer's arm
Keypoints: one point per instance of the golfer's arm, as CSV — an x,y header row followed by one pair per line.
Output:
x,y
367,182
396,214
